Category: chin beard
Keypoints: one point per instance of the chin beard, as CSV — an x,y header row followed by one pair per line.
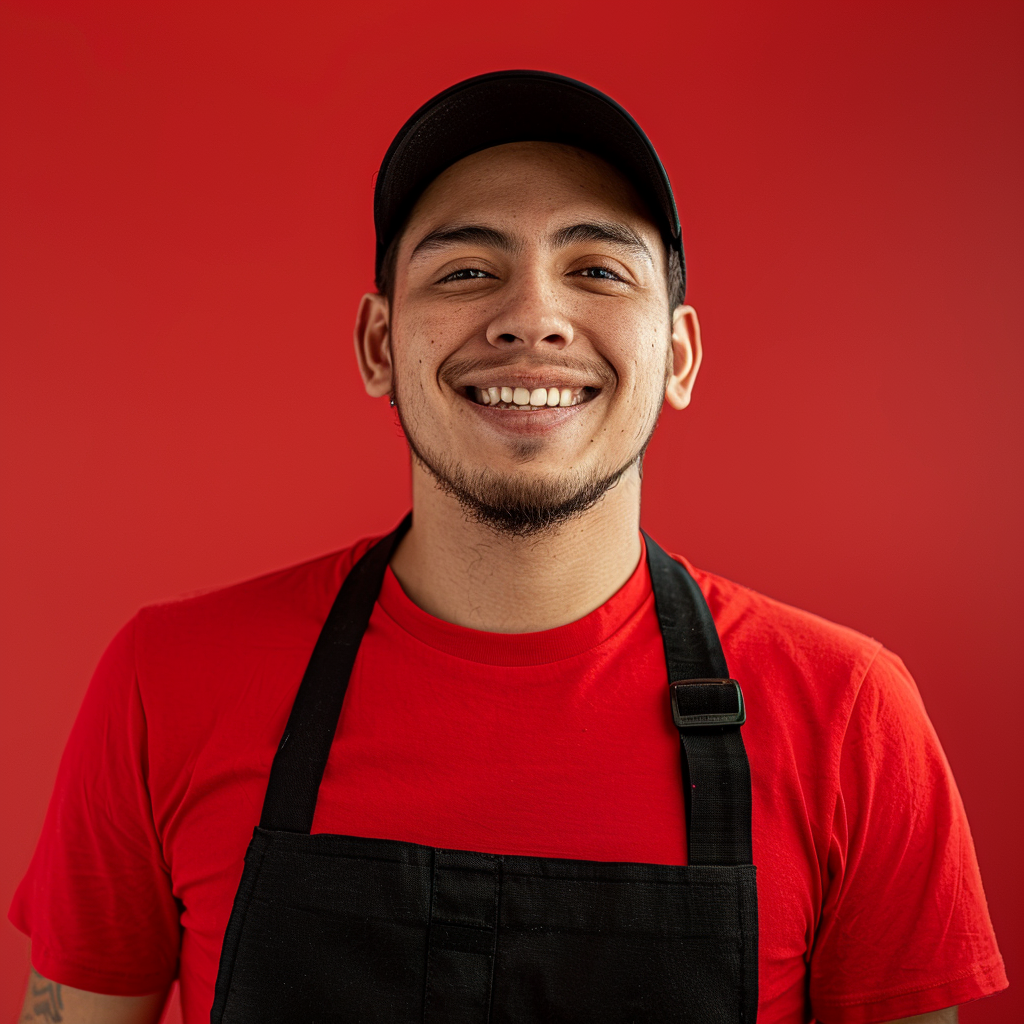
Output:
x,y
512,506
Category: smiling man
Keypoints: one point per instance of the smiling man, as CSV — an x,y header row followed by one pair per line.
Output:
x,y
511,762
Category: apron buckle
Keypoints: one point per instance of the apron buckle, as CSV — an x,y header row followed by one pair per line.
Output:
x,y
706,703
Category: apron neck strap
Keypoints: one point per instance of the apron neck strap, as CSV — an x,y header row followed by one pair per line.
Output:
x,y
692,647
708,710
302,754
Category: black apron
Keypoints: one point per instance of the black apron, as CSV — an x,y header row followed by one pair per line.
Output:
x,y
330,928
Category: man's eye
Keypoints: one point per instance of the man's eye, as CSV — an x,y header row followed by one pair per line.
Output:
x,y
599,274
466,274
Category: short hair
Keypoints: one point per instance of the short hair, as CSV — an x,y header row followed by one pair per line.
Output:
x,y
386,277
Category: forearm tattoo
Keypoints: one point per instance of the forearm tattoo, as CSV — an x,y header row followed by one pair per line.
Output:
x,y
43,1002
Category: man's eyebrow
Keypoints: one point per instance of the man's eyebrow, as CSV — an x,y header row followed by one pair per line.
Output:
x,y
604,231
464,233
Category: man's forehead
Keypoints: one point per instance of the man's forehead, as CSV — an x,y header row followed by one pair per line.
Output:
x,y
524,182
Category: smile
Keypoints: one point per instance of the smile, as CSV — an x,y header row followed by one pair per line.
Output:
x,y
527,399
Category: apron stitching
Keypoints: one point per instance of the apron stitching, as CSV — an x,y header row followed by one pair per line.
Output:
x,y
430,930
498,861
743,955
241,928
744,971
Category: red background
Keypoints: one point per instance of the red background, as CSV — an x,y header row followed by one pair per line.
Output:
x,y
186,197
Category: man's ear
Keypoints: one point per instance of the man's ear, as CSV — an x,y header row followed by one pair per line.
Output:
x,y
373,344
686,356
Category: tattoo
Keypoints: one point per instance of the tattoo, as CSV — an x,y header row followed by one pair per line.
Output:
x,y
44,999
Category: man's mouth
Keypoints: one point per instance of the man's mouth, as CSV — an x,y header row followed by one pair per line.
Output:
x,y
526,399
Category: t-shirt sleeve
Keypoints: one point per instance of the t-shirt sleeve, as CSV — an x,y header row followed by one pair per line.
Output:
x,y
97,899
905,927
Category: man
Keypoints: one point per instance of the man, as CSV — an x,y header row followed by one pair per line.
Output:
x,y
533,761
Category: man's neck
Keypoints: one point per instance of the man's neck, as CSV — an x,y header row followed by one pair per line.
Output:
x,y
469,574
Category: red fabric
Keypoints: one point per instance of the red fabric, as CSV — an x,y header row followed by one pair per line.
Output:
x,y
551,744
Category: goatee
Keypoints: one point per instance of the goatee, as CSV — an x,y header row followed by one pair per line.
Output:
x,y
511,505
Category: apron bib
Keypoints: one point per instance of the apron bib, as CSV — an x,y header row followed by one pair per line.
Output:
x,y
327,929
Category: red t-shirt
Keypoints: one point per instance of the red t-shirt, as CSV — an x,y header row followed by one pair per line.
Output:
x,y
550,744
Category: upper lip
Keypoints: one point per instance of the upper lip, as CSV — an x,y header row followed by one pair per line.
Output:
x,y
521,377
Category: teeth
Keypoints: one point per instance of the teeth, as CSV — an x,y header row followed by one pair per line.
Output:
x,y
524,398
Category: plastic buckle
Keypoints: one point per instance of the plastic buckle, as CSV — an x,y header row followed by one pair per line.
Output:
x,y
707,719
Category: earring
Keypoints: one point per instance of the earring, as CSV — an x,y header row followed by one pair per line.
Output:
x,y
392,401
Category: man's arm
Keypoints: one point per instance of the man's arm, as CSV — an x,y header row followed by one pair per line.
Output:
x,y
47,1002
946,1016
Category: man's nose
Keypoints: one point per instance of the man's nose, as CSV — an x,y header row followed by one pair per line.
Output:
x,y
530,315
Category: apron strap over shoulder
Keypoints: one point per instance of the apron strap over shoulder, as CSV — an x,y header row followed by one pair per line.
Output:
x,y
301,757
708,709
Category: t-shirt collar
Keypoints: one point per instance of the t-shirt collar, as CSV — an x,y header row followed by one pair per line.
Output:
x,y
541,648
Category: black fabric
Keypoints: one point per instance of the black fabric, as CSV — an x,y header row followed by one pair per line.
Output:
x,y
692,647
341,929
330,928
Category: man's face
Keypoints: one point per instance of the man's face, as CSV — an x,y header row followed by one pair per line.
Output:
x,y
529,331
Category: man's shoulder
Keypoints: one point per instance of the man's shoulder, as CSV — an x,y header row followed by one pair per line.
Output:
x,y
782,639
275,609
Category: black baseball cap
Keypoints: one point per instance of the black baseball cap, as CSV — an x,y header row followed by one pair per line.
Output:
x,y
517,106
